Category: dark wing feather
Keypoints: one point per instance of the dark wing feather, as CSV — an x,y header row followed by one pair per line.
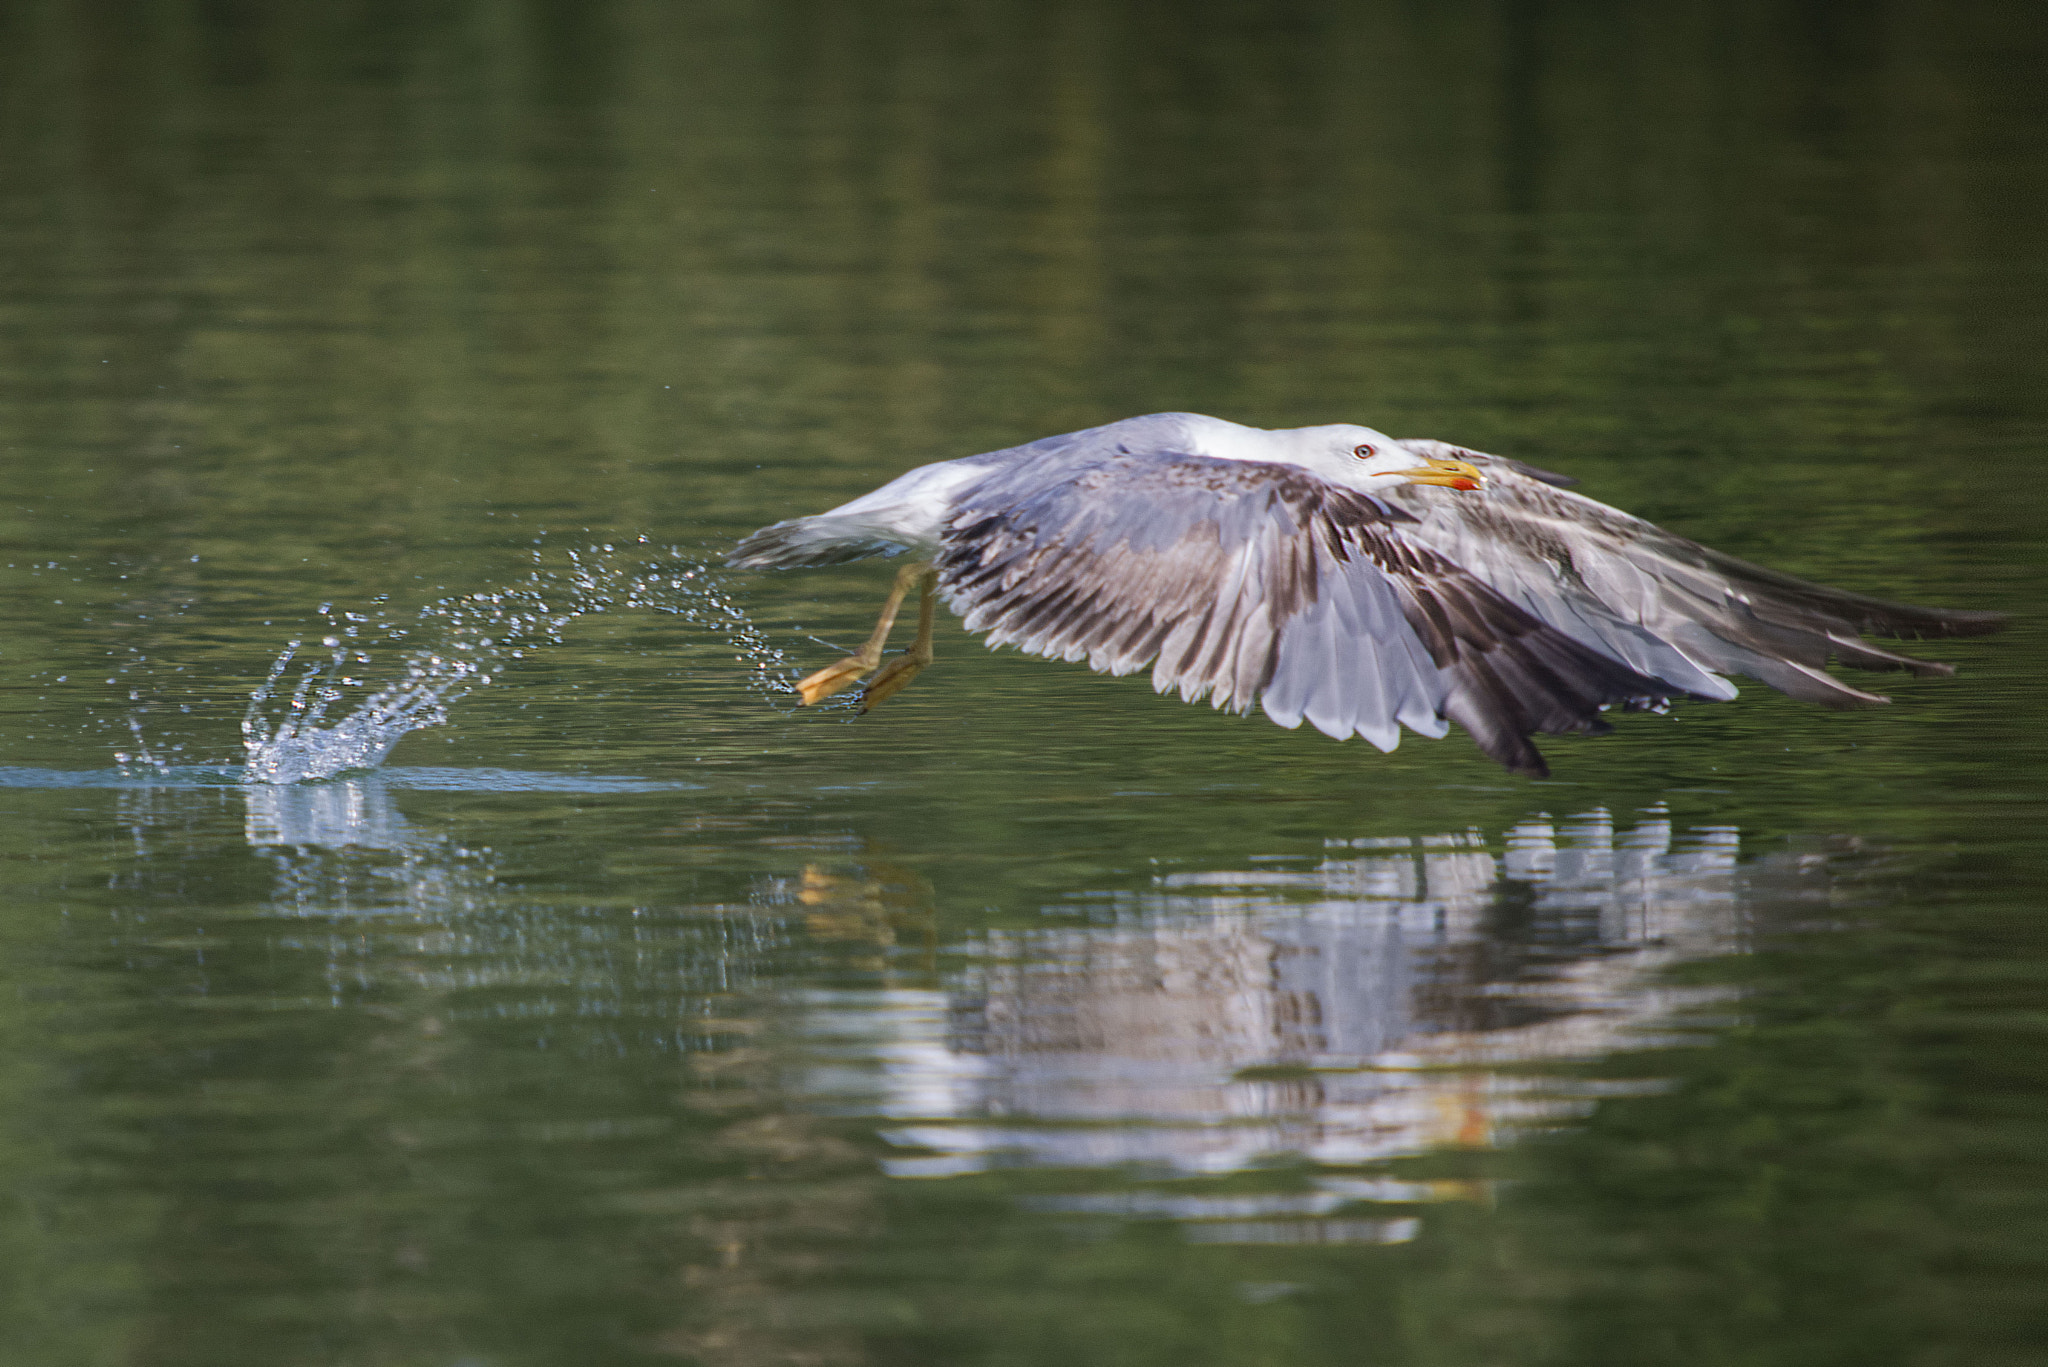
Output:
x,y
1239,581
1619,583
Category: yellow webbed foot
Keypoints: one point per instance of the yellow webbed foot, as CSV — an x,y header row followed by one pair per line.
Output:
x,y
894,678
834,678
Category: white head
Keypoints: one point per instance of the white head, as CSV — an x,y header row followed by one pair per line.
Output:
x,y
1340,452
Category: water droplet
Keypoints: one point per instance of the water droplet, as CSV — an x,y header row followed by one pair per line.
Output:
x,y
478,635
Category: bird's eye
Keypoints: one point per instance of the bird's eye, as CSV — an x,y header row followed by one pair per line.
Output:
x,y
1365,450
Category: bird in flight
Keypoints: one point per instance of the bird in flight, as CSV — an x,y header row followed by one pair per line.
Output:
x,y
1338,576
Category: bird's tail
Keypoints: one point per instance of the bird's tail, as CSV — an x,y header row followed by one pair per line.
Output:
x,y
804,541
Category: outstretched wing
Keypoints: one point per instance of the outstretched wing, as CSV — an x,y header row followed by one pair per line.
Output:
x,y
1242,582
1668,606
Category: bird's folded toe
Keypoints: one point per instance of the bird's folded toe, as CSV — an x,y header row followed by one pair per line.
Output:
x,y
894,678
833,678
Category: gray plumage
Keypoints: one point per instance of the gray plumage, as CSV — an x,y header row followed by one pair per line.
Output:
x,y
1274,567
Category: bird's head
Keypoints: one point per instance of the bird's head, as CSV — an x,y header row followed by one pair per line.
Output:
x,y
1368,460
1340,452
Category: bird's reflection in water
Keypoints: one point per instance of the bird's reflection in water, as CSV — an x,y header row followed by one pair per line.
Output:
x,y
1333,1013
1337,1013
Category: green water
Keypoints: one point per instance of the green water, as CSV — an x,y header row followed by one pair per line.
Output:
x,y
632,1016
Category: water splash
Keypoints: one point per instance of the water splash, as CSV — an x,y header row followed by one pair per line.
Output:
x,y
335,720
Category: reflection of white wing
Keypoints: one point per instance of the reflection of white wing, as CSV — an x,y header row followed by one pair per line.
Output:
x,y
1225,1017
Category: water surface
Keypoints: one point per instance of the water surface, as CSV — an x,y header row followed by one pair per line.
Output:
x,y
581,1001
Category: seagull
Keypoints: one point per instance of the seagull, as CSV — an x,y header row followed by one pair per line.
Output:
x,y
1338,576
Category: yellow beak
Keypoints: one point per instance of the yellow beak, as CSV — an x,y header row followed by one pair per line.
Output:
x,y
1452,474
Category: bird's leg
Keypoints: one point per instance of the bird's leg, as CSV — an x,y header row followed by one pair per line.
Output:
x,y
832,678
905,667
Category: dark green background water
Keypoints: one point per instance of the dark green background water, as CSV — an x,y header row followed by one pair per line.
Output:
x,y
1033,1019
